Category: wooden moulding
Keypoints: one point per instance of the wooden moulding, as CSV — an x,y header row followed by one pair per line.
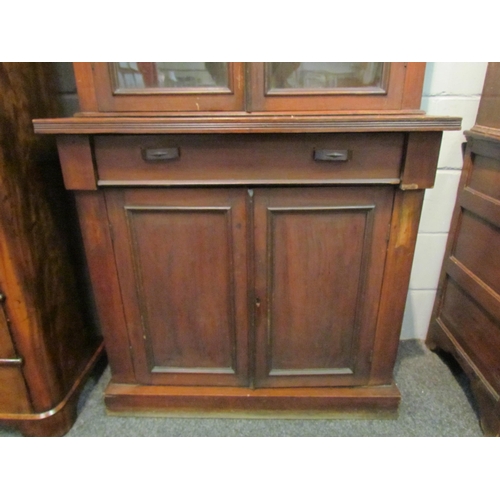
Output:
x,y
58,420
488,400
244,123
234,402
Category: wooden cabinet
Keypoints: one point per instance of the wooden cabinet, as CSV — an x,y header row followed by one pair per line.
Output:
x,y
47,347
466,317
275,87
249,262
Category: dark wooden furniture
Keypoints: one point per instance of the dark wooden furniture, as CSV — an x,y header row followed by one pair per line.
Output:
x,y
466,316
46,347
254,260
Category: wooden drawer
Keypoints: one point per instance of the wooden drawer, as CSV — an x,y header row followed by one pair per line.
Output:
x,y
249,158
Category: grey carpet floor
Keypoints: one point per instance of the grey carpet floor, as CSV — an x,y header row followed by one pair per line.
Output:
x,y
436,401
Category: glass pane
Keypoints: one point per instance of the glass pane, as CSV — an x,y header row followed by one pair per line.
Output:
x,y
142,75
323,75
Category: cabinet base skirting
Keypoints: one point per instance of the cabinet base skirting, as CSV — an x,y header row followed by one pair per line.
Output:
x,y
232,402
58,420
487,399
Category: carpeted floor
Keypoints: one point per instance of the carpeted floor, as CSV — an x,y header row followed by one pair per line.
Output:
x,y
435,402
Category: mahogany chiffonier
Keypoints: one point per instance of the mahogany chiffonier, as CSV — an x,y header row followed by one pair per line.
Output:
x,y
48,346
249,229
466,316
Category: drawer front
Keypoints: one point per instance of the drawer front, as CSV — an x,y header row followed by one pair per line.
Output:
x,y
252,158
13,395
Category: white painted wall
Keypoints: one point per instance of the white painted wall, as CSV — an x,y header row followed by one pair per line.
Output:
x,y
450,89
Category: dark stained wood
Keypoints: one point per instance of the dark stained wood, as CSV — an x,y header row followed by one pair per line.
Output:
x,y
487,115
319,264
393,99
422,153
216,281
77,164
250,158
84,78
401,248
231,99
96,233
14,396
414,83
58,420
234,402
181,258
466,316
241,123
47,324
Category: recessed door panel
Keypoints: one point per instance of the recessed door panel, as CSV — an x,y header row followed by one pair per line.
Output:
x,y
186,297
319,258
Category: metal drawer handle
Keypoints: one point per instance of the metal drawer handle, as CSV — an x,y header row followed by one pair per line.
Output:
x,y
160,154
332,154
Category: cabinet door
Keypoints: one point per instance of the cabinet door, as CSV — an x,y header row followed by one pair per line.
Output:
x,y
320,255
336,86
182,263
160,86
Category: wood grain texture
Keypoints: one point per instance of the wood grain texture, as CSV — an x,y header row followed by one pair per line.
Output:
x,y
50,333
391,99
77,163
422,153
98,244
466,318
196,100
36,269
241,123
401,248
235,402
249,158
181,257
319,265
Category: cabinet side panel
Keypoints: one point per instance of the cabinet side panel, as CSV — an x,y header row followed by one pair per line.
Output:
x,y
102,268
403,236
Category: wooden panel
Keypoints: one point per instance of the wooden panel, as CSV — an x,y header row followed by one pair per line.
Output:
x,y
182,264
77,163
195,100
485,177
250,158
103,274
14,397
13,394
393,99
476,248
316,300
37,251
84,77
403,236
475,330
419,169
488,114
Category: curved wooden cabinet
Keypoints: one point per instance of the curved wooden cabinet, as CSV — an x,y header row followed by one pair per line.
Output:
x,y
249,262
46,346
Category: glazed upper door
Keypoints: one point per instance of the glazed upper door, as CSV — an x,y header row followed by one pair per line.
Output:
x,y
318,87
319,262
164,86
182,264
335,86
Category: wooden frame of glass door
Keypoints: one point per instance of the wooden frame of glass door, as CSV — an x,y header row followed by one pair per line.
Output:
x,y
403,91
97,94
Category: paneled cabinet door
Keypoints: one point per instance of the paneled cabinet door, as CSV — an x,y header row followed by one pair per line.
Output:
x,y
182,262
320,255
